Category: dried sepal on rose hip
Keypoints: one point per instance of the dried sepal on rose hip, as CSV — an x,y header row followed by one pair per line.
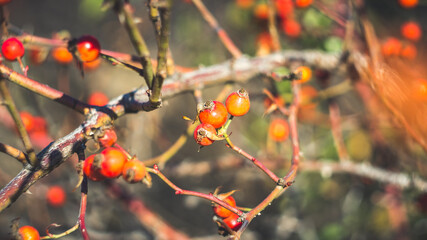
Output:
x,y
238,103
108,138
205,134
227,197
134,171
214,113
304,73
91,170
227,220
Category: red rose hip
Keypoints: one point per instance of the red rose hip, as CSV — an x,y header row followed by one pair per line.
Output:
x,y
111,162
238,103
12,48
214,113
28,233
88,48
133,171
201,134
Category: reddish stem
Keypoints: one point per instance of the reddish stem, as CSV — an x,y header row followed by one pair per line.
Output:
x,y
255,161
83,201
180,191
83,204
43,90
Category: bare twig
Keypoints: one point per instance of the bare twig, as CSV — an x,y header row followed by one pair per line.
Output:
x,y
13,152
180,191
272,26
163,47
223,36
8,100
150,220
402,180
124,11
43,90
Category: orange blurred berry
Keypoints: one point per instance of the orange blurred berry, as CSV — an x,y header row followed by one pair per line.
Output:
x,y
97,99
62,55
284,8
56,196
307,93
264,39
291,28
40,139
305,74
92,65
278,130
391,47
408,3
40,124
409,51
38,55
28,233
261,11
264,44
303,3
411,30
244,3
27,120
419,89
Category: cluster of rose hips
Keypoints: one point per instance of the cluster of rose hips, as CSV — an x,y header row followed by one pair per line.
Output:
x,y
286,16
411,31
285,12
213,115
86,48
227,221
113,162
